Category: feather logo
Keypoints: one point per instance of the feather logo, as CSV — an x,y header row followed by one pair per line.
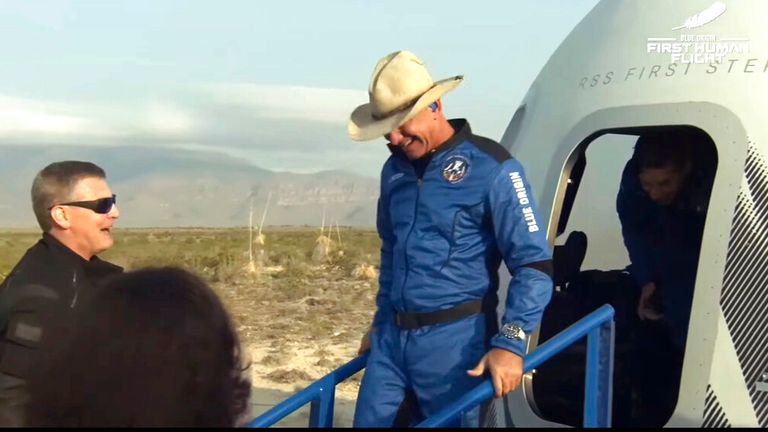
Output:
x,y
704,17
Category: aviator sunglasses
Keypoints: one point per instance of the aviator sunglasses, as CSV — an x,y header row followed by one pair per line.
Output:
x,y
101,205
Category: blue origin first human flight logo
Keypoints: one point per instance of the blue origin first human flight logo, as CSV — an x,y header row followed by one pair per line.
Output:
x,y
455,169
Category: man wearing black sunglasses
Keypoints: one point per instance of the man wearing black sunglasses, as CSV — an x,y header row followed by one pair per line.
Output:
x,y
76,210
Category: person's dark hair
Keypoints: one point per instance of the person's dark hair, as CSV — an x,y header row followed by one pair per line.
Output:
x,y
54,184
154,347
670,148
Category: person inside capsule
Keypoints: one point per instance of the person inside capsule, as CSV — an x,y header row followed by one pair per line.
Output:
x,y
662,204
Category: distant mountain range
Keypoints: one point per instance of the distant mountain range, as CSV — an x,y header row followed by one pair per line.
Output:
x,y
158,187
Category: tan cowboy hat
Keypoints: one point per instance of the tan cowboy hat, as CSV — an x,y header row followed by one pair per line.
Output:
x,y
400,88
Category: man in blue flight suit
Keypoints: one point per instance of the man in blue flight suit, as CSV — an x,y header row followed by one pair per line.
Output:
x,y
452,206
662,205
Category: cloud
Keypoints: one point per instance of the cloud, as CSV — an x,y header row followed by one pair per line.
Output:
x,y
327,105
169,120
31,120
290,128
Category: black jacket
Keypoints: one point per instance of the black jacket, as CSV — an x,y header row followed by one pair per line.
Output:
x,y
36,304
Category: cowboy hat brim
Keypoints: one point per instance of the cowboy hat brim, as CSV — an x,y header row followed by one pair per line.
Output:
x,y
363,126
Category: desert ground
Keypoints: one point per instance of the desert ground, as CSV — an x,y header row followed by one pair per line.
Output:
x,y
300,299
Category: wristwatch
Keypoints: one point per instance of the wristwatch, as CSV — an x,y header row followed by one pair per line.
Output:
x,y
513,331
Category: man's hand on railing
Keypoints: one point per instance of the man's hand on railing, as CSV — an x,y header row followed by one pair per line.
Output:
x,y
365,343
646,310
506,370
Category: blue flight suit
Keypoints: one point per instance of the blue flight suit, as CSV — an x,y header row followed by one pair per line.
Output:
x,y
664,242
444,232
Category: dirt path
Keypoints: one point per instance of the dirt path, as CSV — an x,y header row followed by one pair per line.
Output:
x,y
293,331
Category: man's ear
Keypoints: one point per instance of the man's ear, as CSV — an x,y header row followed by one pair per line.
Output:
x,y
60,217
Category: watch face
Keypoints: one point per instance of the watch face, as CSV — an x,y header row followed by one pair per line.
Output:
x,y
512,331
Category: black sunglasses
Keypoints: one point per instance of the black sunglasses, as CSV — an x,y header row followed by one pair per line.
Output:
x,y
101,205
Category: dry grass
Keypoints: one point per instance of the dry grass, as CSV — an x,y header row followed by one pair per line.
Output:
x,y
297,320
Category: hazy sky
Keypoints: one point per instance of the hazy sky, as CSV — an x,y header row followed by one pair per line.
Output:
x,y
270,82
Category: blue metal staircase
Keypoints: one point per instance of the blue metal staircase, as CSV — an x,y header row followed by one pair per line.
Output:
x,y
598,327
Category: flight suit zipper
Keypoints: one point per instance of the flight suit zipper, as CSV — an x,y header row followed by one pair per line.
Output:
x,y
73,302
419,184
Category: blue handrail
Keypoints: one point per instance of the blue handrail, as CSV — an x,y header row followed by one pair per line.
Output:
x,y
599,329
321,394
597,326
